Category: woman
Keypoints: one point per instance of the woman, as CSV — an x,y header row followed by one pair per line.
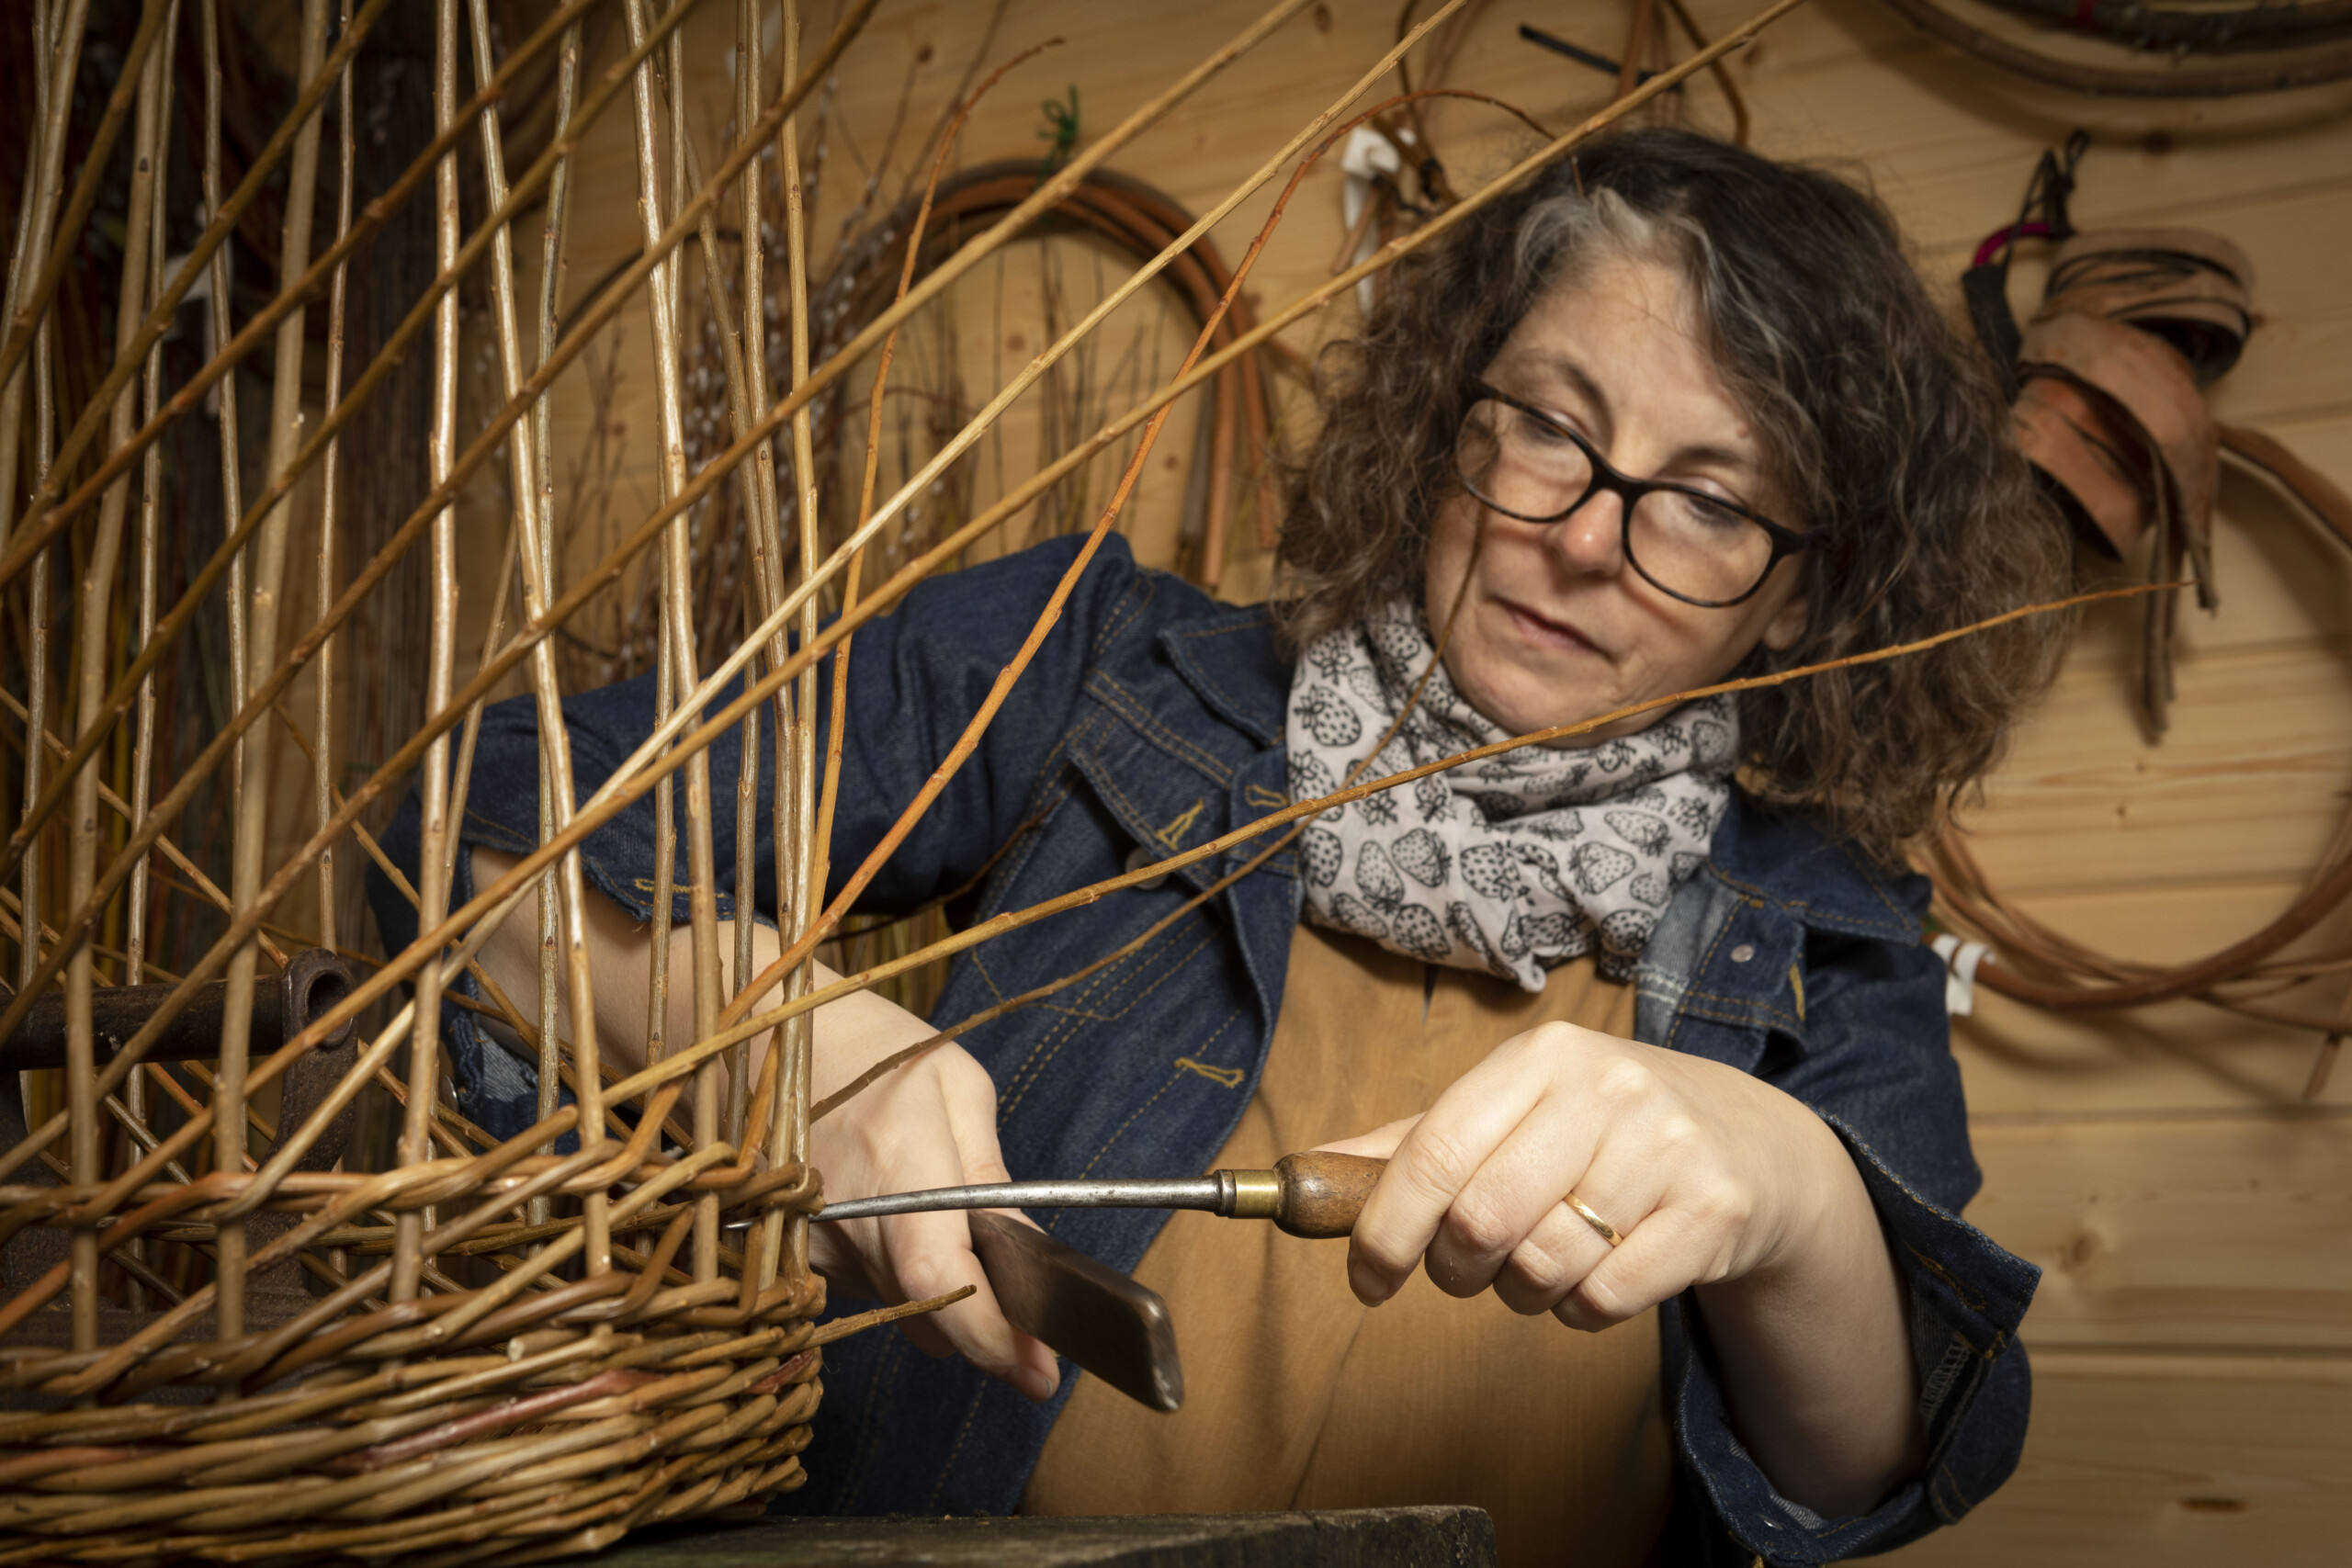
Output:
x,y
1653,1050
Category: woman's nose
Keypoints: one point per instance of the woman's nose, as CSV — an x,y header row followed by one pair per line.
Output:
x,y
1592,537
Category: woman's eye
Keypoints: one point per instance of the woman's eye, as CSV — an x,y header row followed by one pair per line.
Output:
x,y
1704,511
1542,434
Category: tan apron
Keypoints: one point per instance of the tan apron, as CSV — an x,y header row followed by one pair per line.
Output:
x,y
1295,1396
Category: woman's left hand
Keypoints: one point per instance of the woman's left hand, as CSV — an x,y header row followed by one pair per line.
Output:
x,y
1707,1174
1711,1177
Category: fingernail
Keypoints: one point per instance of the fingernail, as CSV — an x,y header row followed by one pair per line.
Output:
x,y
1369,1287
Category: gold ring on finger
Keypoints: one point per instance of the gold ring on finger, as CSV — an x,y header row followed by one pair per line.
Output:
x,y
1601,1227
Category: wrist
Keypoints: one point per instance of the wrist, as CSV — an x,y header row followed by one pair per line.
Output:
x,y
1822,1210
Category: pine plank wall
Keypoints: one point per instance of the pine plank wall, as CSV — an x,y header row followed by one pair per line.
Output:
x,y
2192,1339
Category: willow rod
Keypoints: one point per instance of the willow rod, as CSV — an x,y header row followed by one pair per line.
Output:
x,y
1315,299
323,763
968,741
95,614
794,958
252,822
774,1221
799,949
31,973
561,892
132,1109
39,195
662,297
151,495
806,890
434,824
228,424
745,342
552,227
743,375
745,382
36,652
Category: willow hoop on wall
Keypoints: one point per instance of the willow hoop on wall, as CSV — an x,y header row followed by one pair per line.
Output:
x,y
1139,221
2309,67
2061,975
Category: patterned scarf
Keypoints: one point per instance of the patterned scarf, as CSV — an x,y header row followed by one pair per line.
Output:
x,y
1513,864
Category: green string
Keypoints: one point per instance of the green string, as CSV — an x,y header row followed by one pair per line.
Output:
x,y
1061,131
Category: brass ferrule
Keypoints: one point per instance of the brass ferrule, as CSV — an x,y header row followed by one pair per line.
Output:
x,y
1251,1194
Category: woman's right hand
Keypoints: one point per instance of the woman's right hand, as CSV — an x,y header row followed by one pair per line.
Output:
x,y
930,1123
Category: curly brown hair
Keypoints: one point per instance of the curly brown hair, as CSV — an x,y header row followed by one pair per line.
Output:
x,y
1879,421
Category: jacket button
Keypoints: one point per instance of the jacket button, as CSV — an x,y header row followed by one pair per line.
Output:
x,y
1742,953
1139,857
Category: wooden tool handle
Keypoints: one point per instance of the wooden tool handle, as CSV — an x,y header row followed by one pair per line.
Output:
x,y
1322,1193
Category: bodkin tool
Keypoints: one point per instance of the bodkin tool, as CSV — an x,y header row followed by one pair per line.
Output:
x,y
1312,1195
1110,1326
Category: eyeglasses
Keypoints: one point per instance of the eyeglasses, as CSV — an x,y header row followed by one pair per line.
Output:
x,y
1685,542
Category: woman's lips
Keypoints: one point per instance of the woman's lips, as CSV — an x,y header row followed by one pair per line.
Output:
x,y
1541,632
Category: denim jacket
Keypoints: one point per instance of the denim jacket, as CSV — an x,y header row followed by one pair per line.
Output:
x,y
1153,719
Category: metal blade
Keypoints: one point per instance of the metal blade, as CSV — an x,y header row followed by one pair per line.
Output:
x,y
1108,1325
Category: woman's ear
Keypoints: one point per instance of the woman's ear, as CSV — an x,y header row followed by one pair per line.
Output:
x,y
1787,624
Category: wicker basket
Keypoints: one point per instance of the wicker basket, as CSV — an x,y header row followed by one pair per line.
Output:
x,y
543,1411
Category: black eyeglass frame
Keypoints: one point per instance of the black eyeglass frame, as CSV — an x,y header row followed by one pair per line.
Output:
x,y
1786,541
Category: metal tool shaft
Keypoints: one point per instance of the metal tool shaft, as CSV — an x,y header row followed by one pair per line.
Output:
x,y
1309,1194
1210,1193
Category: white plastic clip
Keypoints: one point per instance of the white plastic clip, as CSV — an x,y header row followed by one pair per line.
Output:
x,y
1367,154
1961,959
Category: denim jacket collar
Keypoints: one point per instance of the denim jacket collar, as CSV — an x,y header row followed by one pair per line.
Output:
x,y
1822,883
1232,661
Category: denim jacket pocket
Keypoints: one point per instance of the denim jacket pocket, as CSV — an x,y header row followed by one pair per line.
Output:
x,y
1723,977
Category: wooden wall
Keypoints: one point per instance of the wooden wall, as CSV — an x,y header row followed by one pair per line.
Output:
x,y
2193,1336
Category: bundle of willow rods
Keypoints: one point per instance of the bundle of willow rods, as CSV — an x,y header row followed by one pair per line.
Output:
x,y
225,1337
